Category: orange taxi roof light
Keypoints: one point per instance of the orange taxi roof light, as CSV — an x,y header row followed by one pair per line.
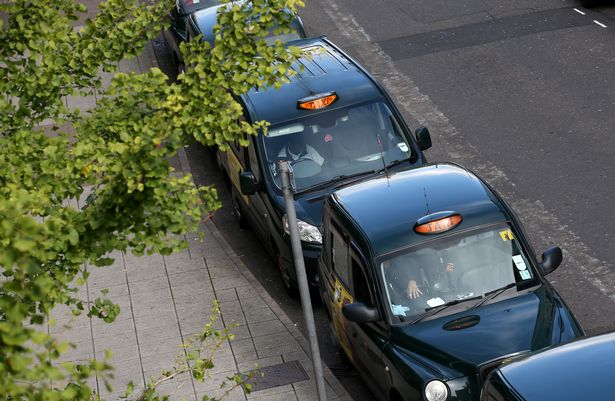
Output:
x,y
317,102
439,225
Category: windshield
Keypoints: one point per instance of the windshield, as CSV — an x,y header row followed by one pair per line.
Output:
x,y
453,269
206,20
336,143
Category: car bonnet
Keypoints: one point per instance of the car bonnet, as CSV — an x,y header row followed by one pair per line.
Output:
x,y
516,325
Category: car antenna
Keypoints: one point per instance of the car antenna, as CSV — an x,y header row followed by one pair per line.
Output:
x,y
426,201
386,171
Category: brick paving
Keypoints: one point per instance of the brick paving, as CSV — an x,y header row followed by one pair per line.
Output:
x,y
165,299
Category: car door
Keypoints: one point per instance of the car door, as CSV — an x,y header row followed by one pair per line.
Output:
x,y
235,164
176,33
367,340
259,202
340,280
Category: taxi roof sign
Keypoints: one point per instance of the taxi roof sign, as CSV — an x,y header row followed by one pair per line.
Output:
x,y
436,223
318,101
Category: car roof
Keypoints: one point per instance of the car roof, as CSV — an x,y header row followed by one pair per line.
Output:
x,y
205,19
323,69
580,370
387,208
190,6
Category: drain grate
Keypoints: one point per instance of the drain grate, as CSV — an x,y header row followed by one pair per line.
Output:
x,y
276,375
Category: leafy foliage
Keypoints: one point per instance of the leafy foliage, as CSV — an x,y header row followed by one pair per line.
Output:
x,y
101,180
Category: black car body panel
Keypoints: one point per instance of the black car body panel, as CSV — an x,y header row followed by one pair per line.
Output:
x,y
459,343
580,370
323,69
190,19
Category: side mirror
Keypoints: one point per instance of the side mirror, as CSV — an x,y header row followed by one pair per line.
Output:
x,y
179,9
358,312
423,138
551,259
247,183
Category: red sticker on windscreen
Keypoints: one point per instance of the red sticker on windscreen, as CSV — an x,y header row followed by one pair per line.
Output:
x,y
328,138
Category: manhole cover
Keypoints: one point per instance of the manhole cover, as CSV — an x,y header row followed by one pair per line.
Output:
x,y
276,375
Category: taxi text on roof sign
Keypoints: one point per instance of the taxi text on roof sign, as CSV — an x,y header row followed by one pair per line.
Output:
x,y
439,225
319,101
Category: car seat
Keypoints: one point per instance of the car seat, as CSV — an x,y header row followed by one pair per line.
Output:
x,y
356,136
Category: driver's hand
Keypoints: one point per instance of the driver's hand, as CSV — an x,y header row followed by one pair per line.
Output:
x,y
413,291
450,267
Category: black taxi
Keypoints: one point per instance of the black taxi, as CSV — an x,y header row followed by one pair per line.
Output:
x,y
335,124
579,370
190,19
430,283
178,24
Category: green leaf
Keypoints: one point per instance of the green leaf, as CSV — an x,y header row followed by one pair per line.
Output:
x,y
130,388
24,245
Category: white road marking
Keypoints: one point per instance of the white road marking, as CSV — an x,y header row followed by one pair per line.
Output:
x,y
600,23
579,11
544,225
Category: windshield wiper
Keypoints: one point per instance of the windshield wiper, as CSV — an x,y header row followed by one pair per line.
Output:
x,y
493,294
395,163
437,309
334,180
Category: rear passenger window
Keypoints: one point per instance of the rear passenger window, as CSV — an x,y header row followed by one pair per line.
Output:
x,y
339,256
361,286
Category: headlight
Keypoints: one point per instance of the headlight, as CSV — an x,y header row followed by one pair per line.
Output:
x,y
307,232
436,390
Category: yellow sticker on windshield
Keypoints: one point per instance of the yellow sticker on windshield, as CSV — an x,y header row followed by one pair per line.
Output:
x,y
507,235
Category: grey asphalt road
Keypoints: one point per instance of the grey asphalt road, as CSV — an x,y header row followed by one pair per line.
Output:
x,y
521,92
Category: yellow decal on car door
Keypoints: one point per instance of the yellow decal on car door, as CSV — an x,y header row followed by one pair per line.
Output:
x,y
235,168
341,326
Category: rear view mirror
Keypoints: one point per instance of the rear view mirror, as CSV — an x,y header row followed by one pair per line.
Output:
x,y
551,259
423,138
358,312
179,9
247,183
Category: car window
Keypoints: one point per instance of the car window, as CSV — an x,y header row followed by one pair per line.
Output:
x,y
361,291
189,6
207,19
336,142
339,257
454,268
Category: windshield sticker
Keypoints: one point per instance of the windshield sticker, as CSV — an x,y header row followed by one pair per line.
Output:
x,y
519,263
437,301
402,146
399,310
328,138
507,235
525,274
488,234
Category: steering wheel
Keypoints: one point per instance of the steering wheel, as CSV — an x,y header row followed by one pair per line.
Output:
x,y
304,168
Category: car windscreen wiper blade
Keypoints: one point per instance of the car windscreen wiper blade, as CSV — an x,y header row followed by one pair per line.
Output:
x,y
493,294
334,180
395,163
437,309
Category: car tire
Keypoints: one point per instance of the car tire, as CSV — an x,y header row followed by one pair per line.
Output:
x,y
335,341
239,215
290,287
180,66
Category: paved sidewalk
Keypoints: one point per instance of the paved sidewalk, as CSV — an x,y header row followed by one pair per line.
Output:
x,y
165,299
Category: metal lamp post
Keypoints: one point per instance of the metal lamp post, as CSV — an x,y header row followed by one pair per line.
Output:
x,y
304,291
